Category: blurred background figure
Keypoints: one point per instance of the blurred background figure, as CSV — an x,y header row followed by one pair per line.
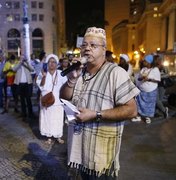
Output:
x,y
124,63
109,56
161,88
41,65
33,63
10,87
2,79
70,57
64,63
23,80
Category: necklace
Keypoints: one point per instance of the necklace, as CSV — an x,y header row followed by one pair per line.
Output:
x,y
88,77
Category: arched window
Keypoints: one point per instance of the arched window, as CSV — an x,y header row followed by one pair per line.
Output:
x,y
37,40
13,40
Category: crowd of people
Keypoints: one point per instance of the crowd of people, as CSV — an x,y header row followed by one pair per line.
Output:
x,y
106,93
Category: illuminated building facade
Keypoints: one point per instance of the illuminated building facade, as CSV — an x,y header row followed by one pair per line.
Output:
x,y
115,12
150,28
44,22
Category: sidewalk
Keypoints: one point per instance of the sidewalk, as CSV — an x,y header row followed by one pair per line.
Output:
x,y
24,153
147,153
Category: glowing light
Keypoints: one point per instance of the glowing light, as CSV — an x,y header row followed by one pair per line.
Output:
x,y
158,49
166,63
155,15
155,8
114,56
9,18
136,52
76,51
135,12
137,56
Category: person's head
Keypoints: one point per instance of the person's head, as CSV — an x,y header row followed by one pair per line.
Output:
x,y
32,56
52,61
157,60
2,58
148,61
109,56
64,62
42,55
12,58
94,45
70,57
124,59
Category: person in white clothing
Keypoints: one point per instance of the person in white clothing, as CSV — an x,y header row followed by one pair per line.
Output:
x,y
52,117
148,80
124,63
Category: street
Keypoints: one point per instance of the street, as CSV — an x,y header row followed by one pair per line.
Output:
x,y
147,152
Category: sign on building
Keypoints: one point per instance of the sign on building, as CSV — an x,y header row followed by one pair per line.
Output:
x,y
79,41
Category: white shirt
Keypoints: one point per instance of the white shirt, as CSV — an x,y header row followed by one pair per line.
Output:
x,y
23,78
151,73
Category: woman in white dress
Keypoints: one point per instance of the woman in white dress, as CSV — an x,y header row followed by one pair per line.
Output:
x,y
51,118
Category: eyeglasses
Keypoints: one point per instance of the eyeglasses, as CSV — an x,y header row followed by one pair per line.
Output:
x,y
91,46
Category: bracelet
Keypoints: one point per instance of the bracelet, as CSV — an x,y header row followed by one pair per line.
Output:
x,y
71,86
72,82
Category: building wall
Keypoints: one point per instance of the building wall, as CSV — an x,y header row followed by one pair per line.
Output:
x,y
155,29
115,11
120,38
168,30
47,25
61,26
171,29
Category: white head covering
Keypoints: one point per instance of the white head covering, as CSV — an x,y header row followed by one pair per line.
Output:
x,y
96,32
125,57
52,56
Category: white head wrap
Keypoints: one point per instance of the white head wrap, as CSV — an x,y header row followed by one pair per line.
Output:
x,y
55,57
125,57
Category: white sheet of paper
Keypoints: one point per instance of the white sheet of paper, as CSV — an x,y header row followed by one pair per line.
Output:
x,y
70,110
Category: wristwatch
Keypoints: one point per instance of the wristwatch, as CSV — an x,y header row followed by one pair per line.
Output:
x,y
98,116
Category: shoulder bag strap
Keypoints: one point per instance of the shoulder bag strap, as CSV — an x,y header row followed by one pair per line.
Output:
x,y
54,81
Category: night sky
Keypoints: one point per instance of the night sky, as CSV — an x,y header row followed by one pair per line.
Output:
x,y
81,14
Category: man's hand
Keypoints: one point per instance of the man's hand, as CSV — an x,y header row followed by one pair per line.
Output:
x,y
85,115
74,75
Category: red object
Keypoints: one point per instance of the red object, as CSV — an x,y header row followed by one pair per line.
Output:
x,y
10,80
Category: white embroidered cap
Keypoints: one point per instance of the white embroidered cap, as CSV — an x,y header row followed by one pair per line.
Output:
x,y
96,32
48,57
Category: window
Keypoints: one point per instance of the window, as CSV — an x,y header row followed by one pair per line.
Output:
x,y
34,17
37,43
13,41
17,17
33,4
37,33
37,40
13,44
41,5
8,5
13,33
41,17
16,5
9,17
